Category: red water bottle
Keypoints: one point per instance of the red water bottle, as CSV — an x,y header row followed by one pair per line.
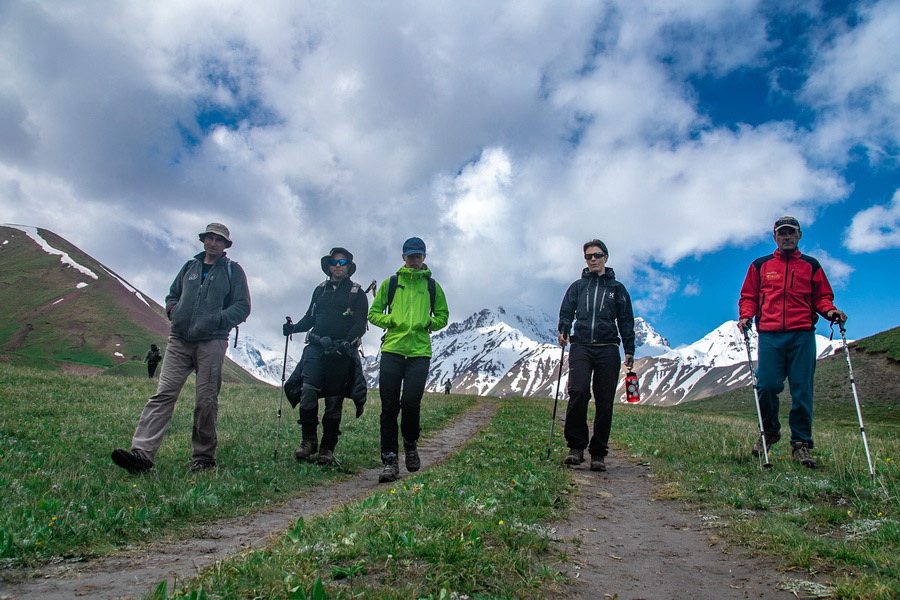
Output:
x,y
632,394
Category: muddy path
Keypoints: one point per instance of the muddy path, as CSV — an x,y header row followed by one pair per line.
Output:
x,y
135,573
623,544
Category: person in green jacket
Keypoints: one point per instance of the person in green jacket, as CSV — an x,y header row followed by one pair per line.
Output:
x,y
409,305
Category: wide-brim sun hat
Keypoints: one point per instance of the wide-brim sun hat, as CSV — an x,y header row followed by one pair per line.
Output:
x,y
351,266
218,229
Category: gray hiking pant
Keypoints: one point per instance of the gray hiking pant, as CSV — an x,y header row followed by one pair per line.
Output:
x,y
183,358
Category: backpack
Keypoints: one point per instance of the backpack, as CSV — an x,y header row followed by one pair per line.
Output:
x,y
394,283
320,289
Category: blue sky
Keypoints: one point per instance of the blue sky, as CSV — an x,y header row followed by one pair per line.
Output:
x,y
503,133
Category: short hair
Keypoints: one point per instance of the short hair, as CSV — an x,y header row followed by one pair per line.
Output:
x,y
596,242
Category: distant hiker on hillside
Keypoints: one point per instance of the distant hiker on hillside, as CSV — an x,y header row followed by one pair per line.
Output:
x,y
447,385
600,308
330,367
207,299
409,305
152,359
783,291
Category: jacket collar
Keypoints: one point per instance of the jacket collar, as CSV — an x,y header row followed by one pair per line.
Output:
x,y
787,255
587,274
407,272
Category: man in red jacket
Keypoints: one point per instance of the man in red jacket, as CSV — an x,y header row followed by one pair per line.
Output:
x,y
784,291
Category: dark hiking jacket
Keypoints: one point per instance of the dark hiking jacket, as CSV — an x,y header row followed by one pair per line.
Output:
x,y
336,312
207,309
600,309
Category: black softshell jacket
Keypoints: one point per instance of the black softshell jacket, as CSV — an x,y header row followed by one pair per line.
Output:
x,y
600,308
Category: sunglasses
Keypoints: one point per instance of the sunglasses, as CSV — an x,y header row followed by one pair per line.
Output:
x,y
597,255
338,262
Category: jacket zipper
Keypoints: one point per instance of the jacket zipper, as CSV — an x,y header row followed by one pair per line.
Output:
x,y
594,312
784,295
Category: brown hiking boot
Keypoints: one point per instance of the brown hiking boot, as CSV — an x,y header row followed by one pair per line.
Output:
x,y
597,463
575,457
308,447
771,438
800,452
326,457
411,457
391,470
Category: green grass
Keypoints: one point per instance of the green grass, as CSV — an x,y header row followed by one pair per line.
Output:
x,y
61,496
886,341
477,526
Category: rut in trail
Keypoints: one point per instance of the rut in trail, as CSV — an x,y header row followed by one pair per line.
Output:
x,y
135,573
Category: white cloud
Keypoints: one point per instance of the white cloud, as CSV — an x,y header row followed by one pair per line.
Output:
x,y
875,228
837,271
855,85
504,134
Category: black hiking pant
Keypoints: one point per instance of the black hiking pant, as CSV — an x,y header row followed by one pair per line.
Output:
x,y
151,369
323,375
602,364
401,385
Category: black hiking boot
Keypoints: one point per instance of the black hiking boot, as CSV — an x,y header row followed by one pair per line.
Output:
x,y
411,457
391,470
771,438
308,447
575,457
132,461
597,463
202,464
326,457
800,452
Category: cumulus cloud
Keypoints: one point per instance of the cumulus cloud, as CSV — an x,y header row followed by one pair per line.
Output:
x,y
875,228
504,134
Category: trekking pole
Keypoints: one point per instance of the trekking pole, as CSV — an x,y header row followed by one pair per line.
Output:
x,y
287,340
762,433
556,401
862,428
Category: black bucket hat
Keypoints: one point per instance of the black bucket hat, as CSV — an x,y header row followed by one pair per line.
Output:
x,y
351,267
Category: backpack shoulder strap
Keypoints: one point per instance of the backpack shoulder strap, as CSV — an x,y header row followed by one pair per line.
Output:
x,y
432,292
393,282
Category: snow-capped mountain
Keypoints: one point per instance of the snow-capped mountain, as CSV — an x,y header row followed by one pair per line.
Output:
x,y
261,360
506,352
713,365
512,351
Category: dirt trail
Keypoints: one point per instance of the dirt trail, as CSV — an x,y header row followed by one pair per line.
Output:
x,y
632,547
133,574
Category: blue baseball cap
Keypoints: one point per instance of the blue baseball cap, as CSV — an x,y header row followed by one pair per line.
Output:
x,y
413,245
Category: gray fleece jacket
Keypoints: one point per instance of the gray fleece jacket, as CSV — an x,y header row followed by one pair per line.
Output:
x,y
207,309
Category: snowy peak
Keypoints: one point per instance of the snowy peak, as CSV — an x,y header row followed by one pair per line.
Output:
x,y
647,341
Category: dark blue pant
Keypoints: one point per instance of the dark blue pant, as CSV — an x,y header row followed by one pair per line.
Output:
x,y
602,364
791,355
401,385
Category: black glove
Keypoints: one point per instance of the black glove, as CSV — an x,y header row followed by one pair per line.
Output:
x,y
327,344
287,329
359,410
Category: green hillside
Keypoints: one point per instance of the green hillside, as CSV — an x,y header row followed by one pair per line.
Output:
x,y
54,316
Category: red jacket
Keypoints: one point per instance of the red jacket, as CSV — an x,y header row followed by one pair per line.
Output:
x,y
784,291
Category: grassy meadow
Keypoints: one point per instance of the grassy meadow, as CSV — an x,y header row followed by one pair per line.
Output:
x,y
62,497
479,525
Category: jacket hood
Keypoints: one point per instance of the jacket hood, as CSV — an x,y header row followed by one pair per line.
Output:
x,y
585,273
351,267
424,271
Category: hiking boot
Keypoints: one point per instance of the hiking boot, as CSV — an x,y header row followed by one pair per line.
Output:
x,y
597,463
202,464
575,457
391,470
308,447
411,457
771,438
800,452
132,461
326,457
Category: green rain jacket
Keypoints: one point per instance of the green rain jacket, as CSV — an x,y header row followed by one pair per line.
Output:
x,y
409,323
